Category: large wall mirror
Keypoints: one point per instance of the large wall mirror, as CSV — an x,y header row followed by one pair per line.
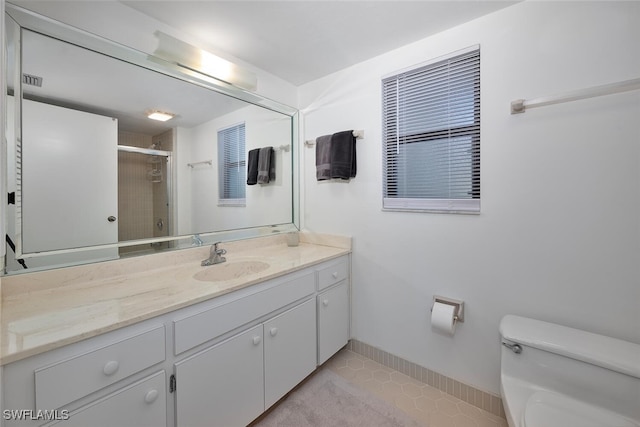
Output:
x,y
92,178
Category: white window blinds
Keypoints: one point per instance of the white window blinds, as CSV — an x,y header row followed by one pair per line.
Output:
x,y
232,165
431,136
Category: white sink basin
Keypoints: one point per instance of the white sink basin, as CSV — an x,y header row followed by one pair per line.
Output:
x,y
230,270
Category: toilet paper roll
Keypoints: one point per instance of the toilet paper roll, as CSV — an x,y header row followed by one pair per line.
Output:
x,y
442,318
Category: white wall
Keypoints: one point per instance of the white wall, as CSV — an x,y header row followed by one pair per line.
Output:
x,y
265,203
558,237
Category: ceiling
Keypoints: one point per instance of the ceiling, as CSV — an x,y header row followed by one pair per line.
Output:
x,y
300,41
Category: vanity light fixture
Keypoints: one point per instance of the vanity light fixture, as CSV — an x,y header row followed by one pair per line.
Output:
x,y
160,116
198,60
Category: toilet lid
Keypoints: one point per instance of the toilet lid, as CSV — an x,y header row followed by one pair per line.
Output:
x,y
546,409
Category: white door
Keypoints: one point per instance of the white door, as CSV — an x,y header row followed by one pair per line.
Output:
x,y
223,385
333,321
69,158
289,350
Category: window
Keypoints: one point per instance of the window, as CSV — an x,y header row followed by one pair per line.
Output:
x,y
431,135
232,166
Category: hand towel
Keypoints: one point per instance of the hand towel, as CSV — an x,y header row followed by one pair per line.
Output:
x,y
323,157
252,167
264,164
272,166
343,155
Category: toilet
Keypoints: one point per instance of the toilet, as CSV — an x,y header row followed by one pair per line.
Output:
x,y
556,376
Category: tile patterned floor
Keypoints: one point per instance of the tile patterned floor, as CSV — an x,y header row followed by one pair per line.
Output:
x,y
427,405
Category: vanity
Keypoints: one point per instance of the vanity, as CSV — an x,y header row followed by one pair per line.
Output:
x,y
153,341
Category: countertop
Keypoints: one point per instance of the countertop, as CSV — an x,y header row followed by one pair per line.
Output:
x,y
42,311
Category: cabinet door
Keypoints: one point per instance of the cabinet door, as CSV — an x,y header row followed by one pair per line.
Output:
x,y
333,321
222,385
142,404
289,350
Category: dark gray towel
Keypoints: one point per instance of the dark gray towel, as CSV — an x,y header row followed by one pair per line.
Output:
x,y
323,157
343,155
272,166
264,164
252,166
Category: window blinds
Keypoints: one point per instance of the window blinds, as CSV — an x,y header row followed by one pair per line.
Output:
x,y
232,165
431,136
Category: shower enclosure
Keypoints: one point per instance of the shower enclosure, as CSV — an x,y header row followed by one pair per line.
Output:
x,y
144,189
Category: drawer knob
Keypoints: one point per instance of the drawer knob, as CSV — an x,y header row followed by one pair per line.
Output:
x,y
110,367
335,274
273,332
325,302
151,396
256,340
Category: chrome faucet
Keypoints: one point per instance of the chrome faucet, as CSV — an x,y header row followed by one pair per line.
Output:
x,y
215,256
197,241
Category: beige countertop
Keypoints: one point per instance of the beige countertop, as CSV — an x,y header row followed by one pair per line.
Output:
x,y
45,310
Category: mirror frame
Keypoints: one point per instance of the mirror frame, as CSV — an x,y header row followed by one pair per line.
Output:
x,y
25,19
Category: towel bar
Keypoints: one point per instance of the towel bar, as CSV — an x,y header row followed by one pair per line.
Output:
x,y
208,162
359,134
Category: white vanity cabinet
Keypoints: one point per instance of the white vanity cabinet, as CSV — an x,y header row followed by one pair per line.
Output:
x,y
222,362
237,379
233,382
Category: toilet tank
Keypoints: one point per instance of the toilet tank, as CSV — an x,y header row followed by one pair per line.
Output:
x,y
592,368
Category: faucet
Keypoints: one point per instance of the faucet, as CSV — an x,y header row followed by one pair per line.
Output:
x,y
215,256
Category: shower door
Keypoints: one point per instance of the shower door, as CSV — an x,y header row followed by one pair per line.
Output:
x,y
144,179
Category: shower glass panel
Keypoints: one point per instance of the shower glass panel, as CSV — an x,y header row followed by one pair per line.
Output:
x,y
144,192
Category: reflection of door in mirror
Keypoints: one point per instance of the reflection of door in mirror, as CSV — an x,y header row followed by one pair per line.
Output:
x,y
67,156
144,182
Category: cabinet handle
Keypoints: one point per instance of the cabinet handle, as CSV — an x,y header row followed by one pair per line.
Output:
x,y
256,340
335,274
325,302
273,332
151,396
110,368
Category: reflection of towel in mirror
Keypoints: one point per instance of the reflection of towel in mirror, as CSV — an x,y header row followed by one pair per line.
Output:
x,y
323,157
264,164
272,166
252,167
343,155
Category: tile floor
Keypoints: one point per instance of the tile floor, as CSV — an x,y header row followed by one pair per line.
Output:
x,y
427,405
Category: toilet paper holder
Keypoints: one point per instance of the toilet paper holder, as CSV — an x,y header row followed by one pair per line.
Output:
x,y
458,313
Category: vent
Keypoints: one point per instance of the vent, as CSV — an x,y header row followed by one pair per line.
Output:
x,y
31,80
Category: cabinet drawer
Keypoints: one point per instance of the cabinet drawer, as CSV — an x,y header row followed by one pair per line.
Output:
x,y
142,404
332,274
66,381
214,322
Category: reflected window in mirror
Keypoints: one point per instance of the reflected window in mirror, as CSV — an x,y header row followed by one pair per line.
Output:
x,y
232,166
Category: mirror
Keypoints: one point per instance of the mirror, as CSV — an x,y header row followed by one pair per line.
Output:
x,y
93,178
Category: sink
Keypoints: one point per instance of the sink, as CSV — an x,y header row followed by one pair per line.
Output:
x,y
230,270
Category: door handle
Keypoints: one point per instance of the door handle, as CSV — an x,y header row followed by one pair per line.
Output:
x,y
111,218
